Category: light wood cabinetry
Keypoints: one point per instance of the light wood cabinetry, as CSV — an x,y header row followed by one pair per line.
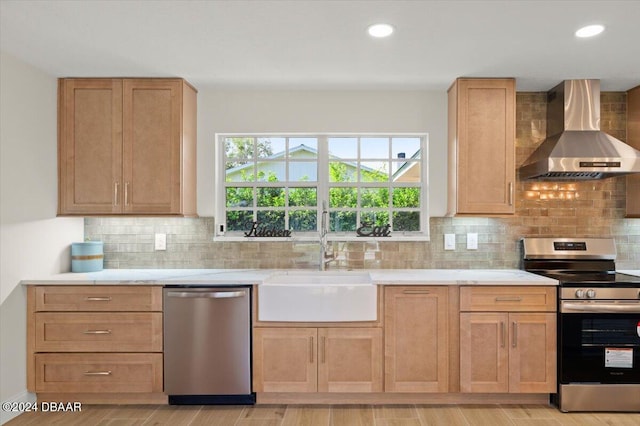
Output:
x,y
508,339
126,146
88,339
481,141
633,139
291,359
416,339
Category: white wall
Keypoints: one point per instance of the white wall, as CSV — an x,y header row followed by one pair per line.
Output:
x,y
33,242
226,111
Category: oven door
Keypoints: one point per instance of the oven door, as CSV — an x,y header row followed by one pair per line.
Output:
x,y
599,342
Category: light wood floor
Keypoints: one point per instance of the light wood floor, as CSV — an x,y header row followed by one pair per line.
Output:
x,y
336,415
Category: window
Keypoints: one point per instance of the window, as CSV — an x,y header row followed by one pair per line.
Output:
x,y
285,182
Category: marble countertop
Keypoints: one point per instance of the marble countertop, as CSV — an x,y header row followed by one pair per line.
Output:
x,y
257,276
634,272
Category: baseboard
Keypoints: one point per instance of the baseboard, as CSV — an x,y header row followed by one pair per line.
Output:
x,y
23,397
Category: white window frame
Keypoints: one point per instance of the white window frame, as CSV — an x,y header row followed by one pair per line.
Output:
x,y
323,185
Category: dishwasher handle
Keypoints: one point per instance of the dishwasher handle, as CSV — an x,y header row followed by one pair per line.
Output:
x,y
207,294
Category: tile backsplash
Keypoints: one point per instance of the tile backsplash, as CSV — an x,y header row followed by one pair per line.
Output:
x,y
582,209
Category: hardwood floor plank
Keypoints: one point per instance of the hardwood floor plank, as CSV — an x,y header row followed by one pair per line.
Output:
x,y
395,412
264,412
181,415
436,415
398,422
210,415
312,415
352,415
486,415
528,411
619,419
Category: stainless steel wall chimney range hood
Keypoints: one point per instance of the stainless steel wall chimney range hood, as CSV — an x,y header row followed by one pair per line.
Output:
x,y
575,148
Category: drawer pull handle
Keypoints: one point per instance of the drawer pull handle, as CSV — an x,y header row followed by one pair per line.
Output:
x,y
98,299
509,299
97,373
416,292
97,332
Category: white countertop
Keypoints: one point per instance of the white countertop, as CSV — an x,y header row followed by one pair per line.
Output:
x,y
634,272
257,276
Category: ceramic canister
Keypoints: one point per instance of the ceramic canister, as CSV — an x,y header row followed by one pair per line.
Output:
x,y
87,256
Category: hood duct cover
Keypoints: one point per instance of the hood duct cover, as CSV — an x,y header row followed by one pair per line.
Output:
x,y
575,148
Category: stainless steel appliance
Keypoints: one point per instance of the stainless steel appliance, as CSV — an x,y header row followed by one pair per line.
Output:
x,y
598,323
575,148
207,345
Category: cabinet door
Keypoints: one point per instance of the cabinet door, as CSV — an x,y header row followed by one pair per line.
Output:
x,y
485,146
416,339
633,139
484,352
349,360
89,146
152,146
284,360
532,353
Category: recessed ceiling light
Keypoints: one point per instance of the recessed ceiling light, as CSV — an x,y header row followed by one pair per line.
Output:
x,y
589,31
380,30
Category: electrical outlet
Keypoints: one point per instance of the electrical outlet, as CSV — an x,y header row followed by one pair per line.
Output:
x,y
449,241
161,241
472,241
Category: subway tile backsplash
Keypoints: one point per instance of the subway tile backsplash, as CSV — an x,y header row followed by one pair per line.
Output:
x,y
584,209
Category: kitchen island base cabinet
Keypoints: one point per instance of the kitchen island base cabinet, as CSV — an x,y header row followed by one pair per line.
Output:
x,y
416,339
507,350
317,359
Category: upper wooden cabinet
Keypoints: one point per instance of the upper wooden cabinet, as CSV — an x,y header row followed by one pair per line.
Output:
x,y
126,146
481,129
633,139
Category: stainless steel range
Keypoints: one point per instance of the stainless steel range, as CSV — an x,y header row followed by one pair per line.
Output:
x,y
598,323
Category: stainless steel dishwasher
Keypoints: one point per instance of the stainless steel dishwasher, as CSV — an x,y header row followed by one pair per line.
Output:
x,y
207,345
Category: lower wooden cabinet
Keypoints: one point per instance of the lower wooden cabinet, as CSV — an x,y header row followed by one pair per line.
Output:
x,y
317,359
505,351
101,344
122,372
416,339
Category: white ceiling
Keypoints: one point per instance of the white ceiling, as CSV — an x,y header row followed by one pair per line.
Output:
x,y
323,44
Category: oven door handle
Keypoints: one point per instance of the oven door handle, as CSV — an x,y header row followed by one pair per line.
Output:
x,y
607,307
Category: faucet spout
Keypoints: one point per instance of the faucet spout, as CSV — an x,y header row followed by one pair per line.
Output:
x,y
324,256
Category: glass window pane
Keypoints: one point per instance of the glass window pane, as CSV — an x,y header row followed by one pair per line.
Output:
x,y
342,171
239,148
406,221
236,172
269,171
342,221
406,171
343,148
270,197
374,171
405,147
343,197
306,171
376,218
239,220
239,197
374,197
374,148
303,147
303,220
406,197
303,197
271,147
271,218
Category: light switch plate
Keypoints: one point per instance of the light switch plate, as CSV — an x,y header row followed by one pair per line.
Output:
x,y
472,241
161,241
449,241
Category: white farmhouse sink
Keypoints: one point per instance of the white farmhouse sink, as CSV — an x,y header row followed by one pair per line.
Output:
x,y
317,296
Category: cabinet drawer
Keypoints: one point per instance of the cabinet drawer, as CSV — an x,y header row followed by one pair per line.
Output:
x,y
98,332
98,372
508,298
98,298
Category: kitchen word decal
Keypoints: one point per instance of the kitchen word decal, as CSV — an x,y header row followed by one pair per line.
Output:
x,y
367,230
259,229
